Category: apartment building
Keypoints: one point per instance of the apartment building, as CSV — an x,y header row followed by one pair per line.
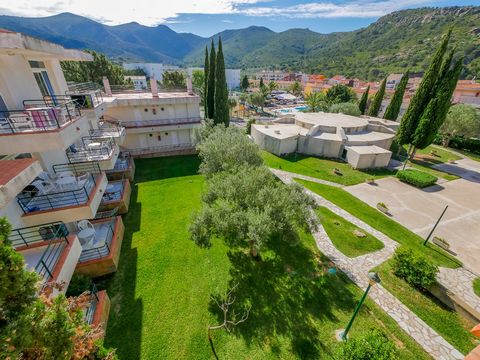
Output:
x,y
55,155
151,69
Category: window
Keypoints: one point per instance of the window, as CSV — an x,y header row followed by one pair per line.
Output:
x,y
159,138
36,64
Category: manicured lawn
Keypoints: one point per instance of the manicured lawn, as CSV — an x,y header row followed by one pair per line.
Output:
x,y
448,323
476,286
322,168
341,232
161,303
381,222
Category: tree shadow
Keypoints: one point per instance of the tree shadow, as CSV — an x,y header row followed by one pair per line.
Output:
x,y
289,293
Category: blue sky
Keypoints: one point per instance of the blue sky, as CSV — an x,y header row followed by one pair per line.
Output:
x,y
207,17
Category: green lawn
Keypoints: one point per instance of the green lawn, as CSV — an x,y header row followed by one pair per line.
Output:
x,y
476,286
161,303
341,232
448,323
381,222
322,168
468,154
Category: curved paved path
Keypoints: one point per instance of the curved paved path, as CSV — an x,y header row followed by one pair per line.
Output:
x,y
357,268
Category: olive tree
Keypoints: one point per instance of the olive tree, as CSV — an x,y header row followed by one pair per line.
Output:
x,y
347,108
462,120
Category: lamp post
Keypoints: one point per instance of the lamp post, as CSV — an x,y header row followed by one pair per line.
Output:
x,y
373,279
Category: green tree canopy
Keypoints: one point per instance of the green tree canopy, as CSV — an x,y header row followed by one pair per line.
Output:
x,y
462,120
198,83
272,86
257,99
295,88
376,104
362,105
345,108
222,113
93,71
393,109
173,79
206,69
316,102
340,94
211,83
245,84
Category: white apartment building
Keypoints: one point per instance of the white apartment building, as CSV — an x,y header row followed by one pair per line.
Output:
x,y
232,77
151,69
271,75
139,82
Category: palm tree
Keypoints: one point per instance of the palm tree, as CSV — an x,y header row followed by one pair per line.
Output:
x,y
272,86
317,101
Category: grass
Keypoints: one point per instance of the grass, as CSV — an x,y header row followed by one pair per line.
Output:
x,y
341,232
322,168
161,303
381,222
448,323
468,154
476,286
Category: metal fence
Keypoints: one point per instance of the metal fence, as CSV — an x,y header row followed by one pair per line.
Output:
x,y
98,252
92,150
92,306
160,122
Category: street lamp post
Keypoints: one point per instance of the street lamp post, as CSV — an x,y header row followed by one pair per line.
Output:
x,y
373,279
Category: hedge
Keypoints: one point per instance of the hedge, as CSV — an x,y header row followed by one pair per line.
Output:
x,y
414,268
416,178
458,142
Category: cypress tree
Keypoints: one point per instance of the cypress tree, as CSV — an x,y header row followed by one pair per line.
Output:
x,y
362,105
422,96
211,83
221,115
261,83
377,100
393,108
436,112
205,83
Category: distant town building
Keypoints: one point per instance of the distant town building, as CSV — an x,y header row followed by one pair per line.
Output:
x,y
392,81
232,76
271,75
139,82
151,69
467,92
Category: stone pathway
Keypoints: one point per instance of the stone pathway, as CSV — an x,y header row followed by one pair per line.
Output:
x,y
285,175
357,268
460,283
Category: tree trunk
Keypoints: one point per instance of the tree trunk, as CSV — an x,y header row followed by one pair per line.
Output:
x,y
253,249
412,155
446,141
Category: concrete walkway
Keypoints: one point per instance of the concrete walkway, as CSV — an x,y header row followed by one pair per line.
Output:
x,y
357,268
281,174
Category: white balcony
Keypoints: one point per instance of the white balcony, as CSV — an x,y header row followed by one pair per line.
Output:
x,y
41,126
107,131
102,151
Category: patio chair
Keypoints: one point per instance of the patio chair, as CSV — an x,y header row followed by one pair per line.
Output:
x,y
86,233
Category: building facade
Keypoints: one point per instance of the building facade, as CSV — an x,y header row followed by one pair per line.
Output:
x,y
151,69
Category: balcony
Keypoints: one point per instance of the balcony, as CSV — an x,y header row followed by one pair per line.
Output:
x,y
107,131
103,151
98,308
49,250
88,96
101,247
41,126
124,167
116,196
182,122
68,196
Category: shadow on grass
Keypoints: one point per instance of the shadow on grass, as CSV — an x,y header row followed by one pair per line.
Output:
x,y
166,167
289,293
124,328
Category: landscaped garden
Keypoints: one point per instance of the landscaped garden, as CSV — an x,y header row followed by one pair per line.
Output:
x,y
381,222
323,168
161,305
346,237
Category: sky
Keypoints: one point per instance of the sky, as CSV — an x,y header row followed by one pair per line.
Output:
x,y
207,17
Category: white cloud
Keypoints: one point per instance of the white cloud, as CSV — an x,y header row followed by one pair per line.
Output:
x,y
148,12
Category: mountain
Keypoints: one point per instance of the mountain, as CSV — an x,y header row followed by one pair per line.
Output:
x,y
395,42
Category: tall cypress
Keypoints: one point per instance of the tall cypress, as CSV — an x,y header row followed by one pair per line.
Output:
x,y
211,83
376,104
205,82
393,109
422,96
436,112
362,105
222,115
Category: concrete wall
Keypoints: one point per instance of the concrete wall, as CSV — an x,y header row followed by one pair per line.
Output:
x,y
273,145
154,112
154,138
367,161
320,147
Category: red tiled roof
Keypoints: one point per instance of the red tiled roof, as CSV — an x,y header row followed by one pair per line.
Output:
x,y
11,168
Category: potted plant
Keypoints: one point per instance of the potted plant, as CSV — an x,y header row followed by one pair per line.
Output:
x,y
382,207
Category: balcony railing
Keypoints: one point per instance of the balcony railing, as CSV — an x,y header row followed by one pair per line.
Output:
x,y
107,130
160,122
38,115
76,169
92,306
54,234
88,94
99,251
162,149
63,192
131,89
124,162
91,150
106,214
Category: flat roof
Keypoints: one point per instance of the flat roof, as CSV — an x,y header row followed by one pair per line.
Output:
x,y
332,119
368,149
281,131
12,43
369,136
10,169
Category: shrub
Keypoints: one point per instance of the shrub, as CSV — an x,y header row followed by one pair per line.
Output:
x,y
79,284
416,178
345,108
249,126
415,269
372,345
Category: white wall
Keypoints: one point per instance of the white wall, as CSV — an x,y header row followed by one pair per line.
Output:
x,y
151,69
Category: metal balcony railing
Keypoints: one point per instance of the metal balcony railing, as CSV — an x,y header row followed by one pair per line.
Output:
x,y
77,169
41,196
92,306
107,130
106,214
54,234
160,122
92,149
88,95
100,251
124,162
38,115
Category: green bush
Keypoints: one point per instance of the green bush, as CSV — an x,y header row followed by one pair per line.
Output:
x,y
79,284
345,108
372,345
416,178
415,269
249,125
